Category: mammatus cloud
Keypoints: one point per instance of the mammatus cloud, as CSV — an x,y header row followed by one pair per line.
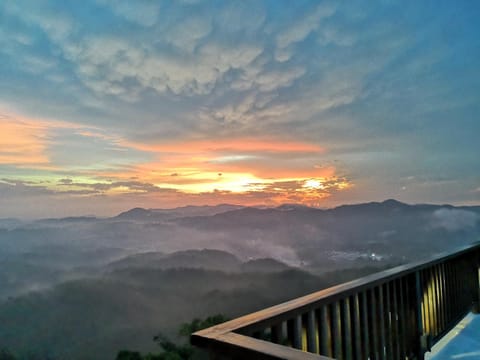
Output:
x,y
301,28
144,13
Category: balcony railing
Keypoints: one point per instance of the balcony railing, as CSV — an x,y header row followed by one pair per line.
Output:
x,y
395,314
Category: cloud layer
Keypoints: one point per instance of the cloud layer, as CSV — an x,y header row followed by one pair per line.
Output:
x,y
270,95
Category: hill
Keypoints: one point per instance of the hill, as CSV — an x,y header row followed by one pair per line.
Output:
x,y
93,319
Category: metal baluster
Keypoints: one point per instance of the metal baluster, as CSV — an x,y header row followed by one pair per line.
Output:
x,y
325,331
357,326
420,349
337,331
448,291
381,308
312,337
438,298
403,320
365,325
347,329
277,333
395,320
388,322
374,323
427,289
297,332
456,288
443,296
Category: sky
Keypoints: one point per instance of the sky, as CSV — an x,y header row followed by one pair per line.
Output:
x,y
107,105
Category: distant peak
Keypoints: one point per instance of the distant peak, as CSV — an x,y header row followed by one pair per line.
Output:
x,y
393,202
134,212
289,207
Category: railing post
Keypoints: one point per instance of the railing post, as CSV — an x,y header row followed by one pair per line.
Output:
x,y
422,344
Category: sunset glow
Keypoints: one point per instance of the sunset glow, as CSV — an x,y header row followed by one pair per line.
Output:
x,y
265,170
22,143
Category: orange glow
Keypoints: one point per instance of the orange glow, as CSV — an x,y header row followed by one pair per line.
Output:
x,y
272,169
230,145
313,184
246,171
22,142
249,185
260,170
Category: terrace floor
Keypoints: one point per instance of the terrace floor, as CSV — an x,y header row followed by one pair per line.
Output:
x,y
462,342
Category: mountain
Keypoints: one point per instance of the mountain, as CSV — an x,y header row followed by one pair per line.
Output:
x,y
291,207
189,259
205,210
112,283
205,259
265,265
313,239
395,231
9,223
244,218
138,214
141,214
95,318
69,219
389,205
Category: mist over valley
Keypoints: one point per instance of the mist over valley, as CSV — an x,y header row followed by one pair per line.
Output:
x,y
113,283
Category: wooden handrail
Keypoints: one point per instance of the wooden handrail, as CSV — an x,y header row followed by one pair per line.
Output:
x,y
245,347
396,301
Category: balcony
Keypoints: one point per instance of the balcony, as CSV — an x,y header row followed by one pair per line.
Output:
x,y
399,313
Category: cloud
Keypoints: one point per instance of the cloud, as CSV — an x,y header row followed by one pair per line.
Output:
x,y
21,189
58,146
25,141
244,17
112,187
141,12
22,143
454,219
231,145
186,34
57,25
274,80
114,66
305,25
67,187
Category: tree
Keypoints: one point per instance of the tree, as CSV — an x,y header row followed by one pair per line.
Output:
x,y
187,329
171,350
128,355
6,355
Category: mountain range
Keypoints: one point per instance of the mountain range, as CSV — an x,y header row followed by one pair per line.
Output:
x,y
77,287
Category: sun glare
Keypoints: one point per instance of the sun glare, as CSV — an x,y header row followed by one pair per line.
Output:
x,y
313,184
